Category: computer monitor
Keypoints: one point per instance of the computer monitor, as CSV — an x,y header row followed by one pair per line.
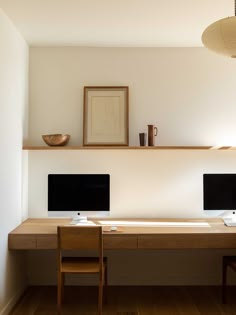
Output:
x,y
78,195
219,194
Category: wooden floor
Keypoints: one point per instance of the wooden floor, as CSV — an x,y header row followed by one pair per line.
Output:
x,y
129,301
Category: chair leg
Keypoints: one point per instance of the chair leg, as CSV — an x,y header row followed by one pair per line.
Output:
x,y
105,286
224,279
100,296
60,284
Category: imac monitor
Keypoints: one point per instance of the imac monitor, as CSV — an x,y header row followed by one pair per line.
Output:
x,y
219,193
78,195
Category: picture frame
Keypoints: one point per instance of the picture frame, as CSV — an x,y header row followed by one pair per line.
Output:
x,y
105,116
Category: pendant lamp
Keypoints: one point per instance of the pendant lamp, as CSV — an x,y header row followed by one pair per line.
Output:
x,y
220,36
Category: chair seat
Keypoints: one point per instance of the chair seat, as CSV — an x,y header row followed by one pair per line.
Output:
x,y
81,264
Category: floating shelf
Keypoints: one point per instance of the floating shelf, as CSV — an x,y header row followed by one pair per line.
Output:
x,y
33,147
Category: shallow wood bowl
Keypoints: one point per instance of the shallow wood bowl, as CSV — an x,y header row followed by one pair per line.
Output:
x,y
56,139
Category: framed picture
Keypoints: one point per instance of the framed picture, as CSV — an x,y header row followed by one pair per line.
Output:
x,y
106,116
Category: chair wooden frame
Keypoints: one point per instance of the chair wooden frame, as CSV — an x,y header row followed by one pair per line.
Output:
x,y
80,238
228,261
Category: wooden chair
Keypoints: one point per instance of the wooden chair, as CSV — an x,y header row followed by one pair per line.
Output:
x,y
228,261
80,238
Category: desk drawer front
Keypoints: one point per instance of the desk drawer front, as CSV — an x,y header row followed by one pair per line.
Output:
x,y
163,242
221,241
47,242
119,242
21,241
175,241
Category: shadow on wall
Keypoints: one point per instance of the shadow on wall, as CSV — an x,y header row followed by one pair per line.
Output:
x,y
13,278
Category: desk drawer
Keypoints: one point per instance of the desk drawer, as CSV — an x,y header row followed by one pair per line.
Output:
x,y
21,241
46,242
119,242
176,241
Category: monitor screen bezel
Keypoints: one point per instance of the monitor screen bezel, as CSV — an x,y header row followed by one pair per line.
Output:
x,y
54,212
220,177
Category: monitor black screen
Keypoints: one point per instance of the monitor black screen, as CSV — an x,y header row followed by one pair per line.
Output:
x,y
74,192
219,191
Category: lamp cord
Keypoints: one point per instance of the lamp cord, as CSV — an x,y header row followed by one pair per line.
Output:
x,y
235,7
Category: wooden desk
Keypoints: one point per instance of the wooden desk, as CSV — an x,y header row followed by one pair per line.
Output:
x,y
41,234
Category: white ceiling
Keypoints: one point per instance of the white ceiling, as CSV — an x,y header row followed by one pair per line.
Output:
x,y
151,23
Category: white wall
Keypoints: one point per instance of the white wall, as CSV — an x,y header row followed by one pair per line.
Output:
x,y
189,93
13,120
143,184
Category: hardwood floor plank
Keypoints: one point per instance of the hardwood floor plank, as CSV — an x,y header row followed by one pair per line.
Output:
x,y
29,302
157,300
207,300
162,302
185,304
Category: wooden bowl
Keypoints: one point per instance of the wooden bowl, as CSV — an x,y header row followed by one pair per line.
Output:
x,y
56,139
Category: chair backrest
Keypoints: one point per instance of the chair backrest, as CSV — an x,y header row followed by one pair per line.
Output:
x,y
80,238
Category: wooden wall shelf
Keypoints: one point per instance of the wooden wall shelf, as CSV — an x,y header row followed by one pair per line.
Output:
x,y
32,147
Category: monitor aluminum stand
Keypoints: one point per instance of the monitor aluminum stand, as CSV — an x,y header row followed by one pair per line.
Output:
x,y
79,219
229,218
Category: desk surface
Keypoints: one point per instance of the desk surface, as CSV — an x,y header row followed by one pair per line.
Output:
x,y
42,234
